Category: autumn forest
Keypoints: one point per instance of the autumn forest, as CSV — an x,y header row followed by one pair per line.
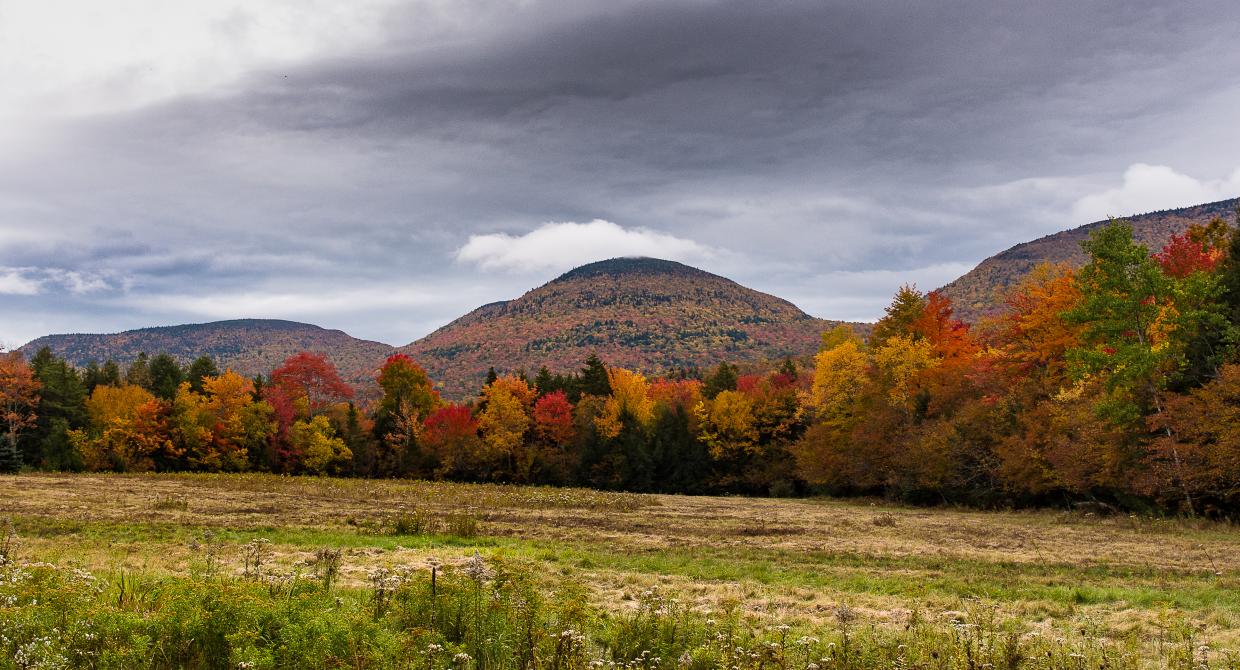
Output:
x,y
1116,385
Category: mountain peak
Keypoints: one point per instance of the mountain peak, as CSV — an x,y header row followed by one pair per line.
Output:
x,y
642,313
631,265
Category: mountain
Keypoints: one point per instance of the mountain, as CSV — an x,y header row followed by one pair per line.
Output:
x,y
981,290
247,346
641,313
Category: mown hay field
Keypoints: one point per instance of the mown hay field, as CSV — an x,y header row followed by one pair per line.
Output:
x,y
1163,592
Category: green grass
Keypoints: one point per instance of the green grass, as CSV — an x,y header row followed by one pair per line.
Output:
x,y
907,577
627,573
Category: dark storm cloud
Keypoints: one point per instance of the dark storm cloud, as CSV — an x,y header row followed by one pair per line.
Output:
x,y
821,150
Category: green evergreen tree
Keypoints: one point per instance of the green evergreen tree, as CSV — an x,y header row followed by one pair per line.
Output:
x,y
166,376
680,460
788,369
723,379
359,442
544,383
110,374
593,379
92,376
10,455
139,372
201,368
62,407
1229,274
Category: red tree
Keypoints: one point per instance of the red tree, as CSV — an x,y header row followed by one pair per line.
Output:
x,y
1182,256
553,419
311,377
19,396
447,425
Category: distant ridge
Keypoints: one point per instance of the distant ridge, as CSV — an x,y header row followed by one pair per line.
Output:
x,y
247,346
981,290
644,313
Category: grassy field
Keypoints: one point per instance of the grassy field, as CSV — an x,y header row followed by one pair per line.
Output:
x,y
1066,589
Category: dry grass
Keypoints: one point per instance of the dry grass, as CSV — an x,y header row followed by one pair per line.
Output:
x,y
790,560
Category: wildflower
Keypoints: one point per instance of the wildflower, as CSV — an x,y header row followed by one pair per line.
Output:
x,y
477,569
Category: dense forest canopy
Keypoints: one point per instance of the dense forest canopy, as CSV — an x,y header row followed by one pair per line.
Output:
x,y
1116,383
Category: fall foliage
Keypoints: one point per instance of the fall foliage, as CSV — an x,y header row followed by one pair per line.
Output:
x,y
1116,382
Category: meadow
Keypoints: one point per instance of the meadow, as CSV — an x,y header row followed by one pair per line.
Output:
x,y
252,571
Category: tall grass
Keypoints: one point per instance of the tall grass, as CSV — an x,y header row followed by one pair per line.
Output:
x,y
489,614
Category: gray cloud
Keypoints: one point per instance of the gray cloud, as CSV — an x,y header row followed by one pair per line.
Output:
x,y
826,150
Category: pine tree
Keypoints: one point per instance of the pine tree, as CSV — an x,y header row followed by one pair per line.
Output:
x,y
544,382
201,368
1229,273
139,372
62,407
681,462
593,379
10,455
788,369
723,379
92,376
166,376
110,375
358,442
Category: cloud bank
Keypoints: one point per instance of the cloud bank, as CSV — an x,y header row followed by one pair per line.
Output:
x,y
173,162
565,245
1148,188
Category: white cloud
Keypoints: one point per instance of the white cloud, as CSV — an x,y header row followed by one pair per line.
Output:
x,y
14,282
1149,188
78,283
561,246
35,280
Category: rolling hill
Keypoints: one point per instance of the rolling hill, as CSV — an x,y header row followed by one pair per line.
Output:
x,y
247,346
641,313
980,291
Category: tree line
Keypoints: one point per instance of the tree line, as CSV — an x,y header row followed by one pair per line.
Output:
x,y
1118,383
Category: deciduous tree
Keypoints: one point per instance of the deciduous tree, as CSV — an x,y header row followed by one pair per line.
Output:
x,y
311,376
19,398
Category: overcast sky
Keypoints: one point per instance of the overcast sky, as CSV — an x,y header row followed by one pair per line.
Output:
x,y
383,167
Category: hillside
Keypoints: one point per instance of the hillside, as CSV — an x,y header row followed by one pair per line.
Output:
x,y
248,346
641,313
981,290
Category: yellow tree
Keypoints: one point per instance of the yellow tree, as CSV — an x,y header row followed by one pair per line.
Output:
x,y
824,453
727,424
218,427
899,360
191,425
630,393
506,417
128,430
322,452
839,376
